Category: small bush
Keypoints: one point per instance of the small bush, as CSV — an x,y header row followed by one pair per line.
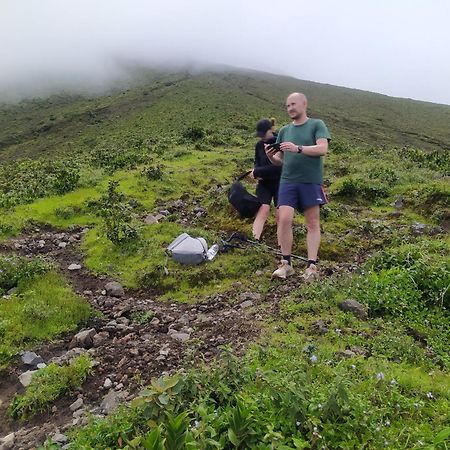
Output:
x,y
118,222
14,269
193,133
353,188
47,385
153,172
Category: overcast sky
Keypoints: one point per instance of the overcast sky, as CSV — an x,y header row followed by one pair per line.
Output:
x,y
396,47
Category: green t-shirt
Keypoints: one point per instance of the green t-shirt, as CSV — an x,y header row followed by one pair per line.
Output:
x,y
297,167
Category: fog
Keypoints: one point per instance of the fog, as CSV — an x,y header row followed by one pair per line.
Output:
x,y
398,48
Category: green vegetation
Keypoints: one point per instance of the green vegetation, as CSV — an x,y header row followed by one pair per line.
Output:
x,y
41,309
47,385
339,383
16,269
285,394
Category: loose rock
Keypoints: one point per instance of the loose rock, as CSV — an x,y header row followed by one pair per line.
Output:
x,y
356,308
77,404
25,378
83,339
112,400
31,359
114,289
7,442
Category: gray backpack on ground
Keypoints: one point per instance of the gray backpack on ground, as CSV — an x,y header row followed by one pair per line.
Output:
x,y
188,250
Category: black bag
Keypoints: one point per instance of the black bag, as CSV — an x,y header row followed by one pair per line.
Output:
x,y
246,204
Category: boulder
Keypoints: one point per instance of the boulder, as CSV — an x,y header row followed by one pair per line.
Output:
x,y
25,378
7,442
31,359
112,400
114,289
356,308
77,404
83,339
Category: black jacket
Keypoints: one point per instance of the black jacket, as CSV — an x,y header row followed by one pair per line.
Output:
x,y
263,167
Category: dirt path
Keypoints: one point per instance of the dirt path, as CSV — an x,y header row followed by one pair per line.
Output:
x,y
127,353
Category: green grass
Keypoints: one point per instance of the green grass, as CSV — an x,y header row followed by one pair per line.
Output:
x,y
40,310
47,385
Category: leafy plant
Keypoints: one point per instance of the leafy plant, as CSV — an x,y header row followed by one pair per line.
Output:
x,y
47,385
117,216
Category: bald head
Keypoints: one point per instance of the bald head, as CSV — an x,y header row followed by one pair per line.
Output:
x,y
297,96
296,105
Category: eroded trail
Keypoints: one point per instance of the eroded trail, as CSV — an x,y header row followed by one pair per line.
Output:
x,y
126,353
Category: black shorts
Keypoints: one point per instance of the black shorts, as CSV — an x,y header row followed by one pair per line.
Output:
x,y
267,191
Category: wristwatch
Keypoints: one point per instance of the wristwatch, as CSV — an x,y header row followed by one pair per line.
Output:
x,y
299,148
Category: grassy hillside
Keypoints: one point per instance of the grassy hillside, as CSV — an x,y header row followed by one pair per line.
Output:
x,y
164,104
314,376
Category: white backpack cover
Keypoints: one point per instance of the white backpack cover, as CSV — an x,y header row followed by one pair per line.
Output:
x,y
188,250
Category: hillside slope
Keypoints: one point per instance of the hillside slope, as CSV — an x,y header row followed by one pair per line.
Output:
x,y
163,103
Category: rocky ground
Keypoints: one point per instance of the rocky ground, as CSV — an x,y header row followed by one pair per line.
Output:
x,y
126,354
127,350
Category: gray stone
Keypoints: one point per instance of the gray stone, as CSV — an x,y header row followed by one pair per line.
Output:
x,y
181,337
41,365
62,244
150,219
107,384
348,354
246,304
418,228
255,296
7,442
100,338
77,404
83,339
11,291
74,267
112,400
155,321
114,289
68,356
31,359
356,308
26,377
59,438
78,413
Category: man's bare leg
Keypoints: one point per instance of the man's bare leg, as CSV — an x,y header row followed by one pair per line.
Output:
x,y
284,228
312,220
285,237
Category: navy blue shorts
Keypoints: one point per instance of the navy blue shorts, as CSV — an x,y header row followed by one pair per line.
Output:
x,y
301,196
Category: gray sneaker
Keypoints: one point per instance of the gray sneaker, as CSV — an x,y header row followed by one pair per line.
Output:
x,y
284,270
311,273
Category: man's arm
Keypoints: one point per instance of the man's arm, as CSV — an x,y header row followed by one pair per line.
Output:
x,y
320,149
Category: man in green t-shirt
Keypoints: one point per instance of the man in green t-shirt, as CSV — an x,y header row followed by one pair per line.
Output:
x,y
303,143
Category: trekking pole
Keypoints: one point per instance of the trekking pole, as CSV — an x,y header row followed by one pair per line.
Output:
x,y
243,238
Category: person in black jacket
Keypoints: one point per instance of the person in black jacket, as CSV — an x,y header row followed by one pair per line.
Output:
x,y
267,174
